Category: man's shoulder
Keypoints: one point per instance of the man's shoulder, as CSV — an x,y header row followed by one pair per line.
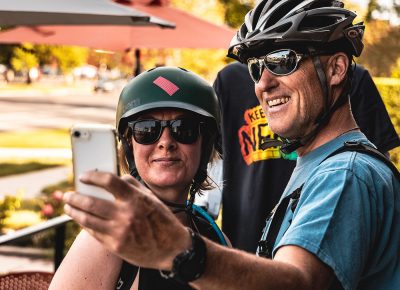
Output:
x,y
364,166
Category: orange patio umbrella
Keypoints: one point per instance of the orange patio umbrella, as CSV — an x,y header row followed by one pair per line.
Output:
x,y
190,32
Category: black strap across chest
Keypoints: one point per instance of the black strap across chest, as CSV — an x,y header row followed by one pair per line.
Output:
x,y
266,245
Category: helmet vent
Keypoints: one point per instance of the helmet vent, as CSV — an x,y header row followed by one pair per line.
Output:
x,y
283,28
317,22
280,10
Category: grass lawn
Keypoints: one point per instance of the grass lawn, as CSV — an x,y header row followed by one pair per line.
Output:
x,y
44,138
14,168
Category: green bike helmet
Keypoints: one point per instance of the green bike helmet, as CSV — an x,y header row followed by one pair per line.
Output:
x,y
171,87
167,87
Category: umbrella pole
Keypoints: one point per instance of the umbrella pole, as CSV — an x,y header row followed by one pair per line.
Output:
x,y
138,69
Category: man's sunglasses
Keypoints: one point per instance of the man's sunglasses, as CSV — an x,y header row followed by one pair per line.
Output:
x,y
280,63
185,131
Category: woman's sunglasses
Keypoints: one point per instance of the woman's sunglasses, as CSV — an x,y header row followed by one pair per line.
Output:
x,y
145,132
280,63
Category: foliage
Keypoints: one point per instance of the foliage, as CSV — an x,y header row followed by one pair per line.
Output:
x,y
13,168
390,92
235,10
396,70
372,6
210,10
6,52
8,205
23,58
17,213
67,57
381,50
52,207
20,219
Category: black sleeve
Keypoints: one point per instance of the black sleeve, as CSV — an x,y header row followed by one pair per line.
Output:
x,y
218,87
370,112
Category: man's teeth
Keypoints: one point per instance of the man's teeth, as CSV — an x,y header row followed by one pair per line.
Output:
x,y
278,102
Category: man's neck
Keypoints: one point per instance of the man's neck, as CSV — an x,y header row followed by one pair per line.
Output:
x,y
341,122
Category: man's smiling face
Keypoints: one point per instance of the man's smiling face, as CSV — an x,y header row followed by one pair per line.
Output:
x,y
292,102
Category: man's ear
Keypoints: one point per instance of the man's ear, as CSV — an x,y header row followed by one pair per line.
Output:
x,y
337,68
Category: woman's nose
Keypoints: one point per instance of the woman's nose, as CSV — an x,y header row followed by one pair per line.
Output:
x,y
166,140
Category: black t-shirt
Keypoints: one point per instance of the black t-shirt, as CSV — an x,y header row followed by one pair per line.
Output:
x,y
255,179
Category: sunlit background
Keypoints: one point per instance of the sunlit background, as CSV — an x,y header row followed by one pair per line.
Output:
x,y
46,88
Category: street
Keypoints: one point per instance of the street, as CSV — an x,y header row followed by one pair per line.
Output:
x,y
24,110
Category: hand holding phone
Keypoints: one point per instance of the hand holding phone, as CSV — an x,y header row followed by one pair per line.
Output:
x,y
93,148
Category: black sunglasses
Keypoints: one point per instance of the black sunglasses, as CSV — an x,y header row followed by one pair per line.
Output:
x,y
145,132
280,63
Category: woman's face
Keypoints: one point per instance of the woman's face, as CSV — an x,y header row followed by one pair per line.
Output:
x,y
167,166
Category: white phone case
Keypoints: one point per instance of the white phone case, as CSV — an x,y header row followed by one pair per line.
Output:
x,y
93,148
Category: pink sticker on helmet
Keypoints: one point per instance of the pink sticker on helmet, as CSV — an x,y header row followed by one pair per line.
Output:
x,y
169,87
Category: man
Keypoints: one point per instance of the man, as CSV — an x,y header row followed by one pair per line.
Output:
x,y
343,233
253,178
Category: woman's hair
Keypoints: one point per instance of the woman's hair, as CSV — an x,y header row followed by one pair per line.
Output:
x,y
208,137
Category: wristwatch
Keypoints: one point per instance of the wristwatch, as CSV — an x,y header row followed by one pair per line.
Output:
x,y
190,264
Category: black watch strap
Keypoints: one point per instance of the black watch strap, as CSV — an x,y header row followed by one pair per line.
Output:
x,y
190,264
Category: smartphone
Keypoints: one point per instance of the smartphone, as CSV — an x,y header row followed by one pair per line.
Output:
x,y
94,147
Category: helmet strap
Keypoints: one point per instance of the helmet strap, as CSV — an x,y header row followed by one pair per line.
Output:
x,y
130,159
174,206
322,80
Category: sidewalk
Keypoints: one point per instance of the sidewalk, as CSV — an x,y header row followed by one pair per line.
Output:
x,y
75,94
20,259
30,184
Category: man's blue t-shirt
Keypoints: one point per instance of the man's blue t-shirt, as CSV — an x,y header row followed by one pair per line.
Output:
x,y
348,215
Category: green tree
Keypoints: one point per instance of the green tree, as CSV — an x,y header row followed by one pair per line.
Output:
x,y
67,57
6,53
235,10
372,7
381,49
24,58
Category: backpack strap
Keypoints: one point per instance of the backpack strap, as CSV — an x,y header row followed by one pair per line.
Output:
x,y
265,246
126,276
363,148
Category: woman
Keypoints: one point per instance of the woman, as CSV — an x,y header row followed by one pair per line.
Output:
x,y
167,122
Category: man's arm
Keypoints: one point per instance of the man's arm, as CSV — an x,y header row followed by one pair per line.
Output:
x,y
292,268
140,229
